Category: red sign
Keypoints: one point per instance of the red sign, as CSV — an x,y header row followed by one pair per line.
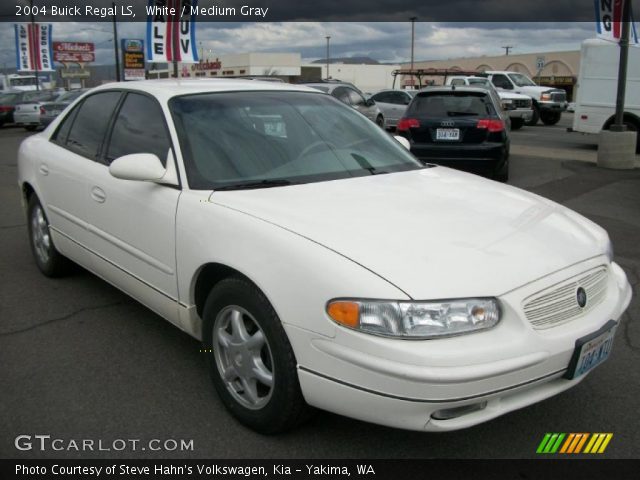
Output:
x,y
74,47
74,57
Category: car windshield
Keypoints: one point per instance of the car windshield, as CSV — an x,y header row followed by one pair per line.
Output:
x,y
69,96
521,80
479,81
453,103
260,139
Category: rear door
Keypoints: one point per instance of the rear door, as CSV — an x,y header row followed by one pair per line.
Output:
x,y
450,117
62,173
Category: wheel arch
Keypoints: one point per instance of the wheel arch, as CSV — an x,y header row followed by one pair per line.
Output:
x,y
27,191
625,116
207,277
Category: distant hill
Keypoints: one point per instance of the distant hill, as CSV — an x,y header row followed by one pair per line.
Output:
x,y
349,60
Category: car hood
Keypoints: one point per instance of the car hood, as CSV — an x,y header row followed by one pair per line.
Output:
x,y
434,233
513,96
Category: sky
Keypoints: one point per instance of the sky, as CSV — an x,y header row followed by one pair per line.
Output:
x,y
384,41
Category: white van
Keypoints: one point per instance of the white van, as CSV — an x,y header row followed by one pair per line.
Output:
x,y
598,86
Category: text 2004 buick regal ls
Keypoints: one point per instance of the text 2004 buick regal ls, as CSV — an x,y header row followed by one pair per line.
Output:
x,y
318,260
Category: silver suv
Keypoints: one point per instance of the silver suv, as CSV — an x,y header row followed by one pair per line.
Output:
x,y
349,94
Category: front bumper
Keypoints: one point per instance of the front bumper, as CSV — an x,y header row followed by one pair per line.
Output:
x,y
524,113
552,106
404,383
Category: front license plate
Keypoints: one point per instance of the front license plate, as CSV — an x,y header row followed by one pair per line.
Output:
x,y
592,350
448,134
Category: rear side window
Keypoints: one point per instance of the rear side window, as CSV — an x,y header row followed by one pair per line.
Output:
x,y
139,128
452,104
91,122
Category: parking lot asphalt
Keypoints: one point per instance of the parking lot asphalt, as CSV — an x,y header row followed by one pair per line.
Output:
x,y
81,360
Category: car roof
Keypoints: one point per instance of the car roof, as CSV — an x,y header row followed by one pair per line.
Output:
x,y
452,88
168,88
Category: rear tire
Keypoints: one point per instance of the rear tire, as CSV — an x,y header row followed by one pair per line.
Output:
x,y
550,118
535,117
49,261
252,364
517,123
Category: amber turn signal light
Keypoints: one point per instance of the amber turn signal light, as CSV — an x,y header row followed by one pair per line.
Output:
x,y
345,313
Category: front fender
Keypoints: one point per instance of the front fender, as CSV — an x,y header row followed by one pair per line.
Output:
x,y
296,274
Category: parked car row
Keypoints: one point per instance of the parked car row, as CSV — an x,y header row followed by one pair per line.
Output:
x,y
32,109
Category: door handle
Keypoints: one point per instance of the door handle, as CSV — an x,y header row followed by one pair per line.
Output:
x,y
98,194
44,170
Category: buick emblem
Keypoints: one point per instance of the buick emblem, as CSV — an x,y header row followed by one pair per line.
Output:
x,y
581,297
447,123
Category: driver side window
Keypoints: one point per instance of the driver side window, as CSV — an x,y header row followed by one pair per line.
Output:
x,y
501,81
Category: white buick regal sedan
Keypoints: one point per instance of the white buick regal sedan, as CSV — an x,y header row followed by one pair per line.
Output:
x,y
316,259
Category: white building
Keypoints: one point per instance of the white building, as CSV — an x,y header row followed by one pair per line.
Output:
x,y
368,78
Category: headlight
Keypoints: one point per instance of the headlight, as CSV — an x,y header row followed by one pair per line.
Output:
x,y
416,320
545,97
507,105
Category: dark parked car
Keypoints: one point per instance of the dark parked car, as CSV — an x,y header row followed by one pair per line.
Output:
x,y
459,127
50,110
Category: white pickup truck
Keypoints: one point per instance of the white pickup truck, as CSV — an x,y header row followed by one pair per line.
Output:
x,y
548,102
516,105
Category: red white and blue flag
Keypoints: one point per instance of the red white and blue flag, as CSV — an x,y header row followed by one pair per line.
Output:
x,y
609,21
33,47
171,31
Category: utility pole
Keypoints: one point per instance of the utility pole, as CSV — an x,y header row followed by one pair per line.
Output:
x,y
618,125
507,49
413,37
36,43
328,37
115,42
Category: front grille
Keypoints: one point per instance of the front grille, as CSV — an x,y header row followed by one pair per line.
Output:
x,y
522,103
559,96
558,304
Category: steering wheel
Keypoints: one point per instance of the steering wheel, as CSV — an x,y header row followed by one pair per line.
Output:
x,y
312,146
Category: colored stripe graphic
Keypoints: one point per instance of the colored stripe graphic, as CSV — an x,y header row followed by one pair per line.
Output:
x,y
574,443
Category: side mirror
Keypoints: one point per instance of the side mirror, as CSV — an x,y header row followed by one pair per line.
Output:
x,y
403,141
370,102
144,167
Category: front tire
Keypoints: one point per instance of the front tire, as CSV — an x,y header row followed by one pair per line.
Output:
x,y
49,261
535,117
380,121
251,362
550,118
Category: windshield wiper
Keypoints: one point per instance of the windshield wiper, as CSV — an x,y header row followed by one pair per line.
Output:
x,y
267,183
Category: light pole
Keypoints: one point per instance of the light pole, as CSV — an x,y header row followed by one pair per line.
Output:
x,y
115,43
328,37
413,37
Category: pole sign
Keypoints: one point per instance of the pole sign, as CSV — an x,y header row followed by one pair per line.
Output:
x,y
33,47
171,31
133,59
74,52
609,21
